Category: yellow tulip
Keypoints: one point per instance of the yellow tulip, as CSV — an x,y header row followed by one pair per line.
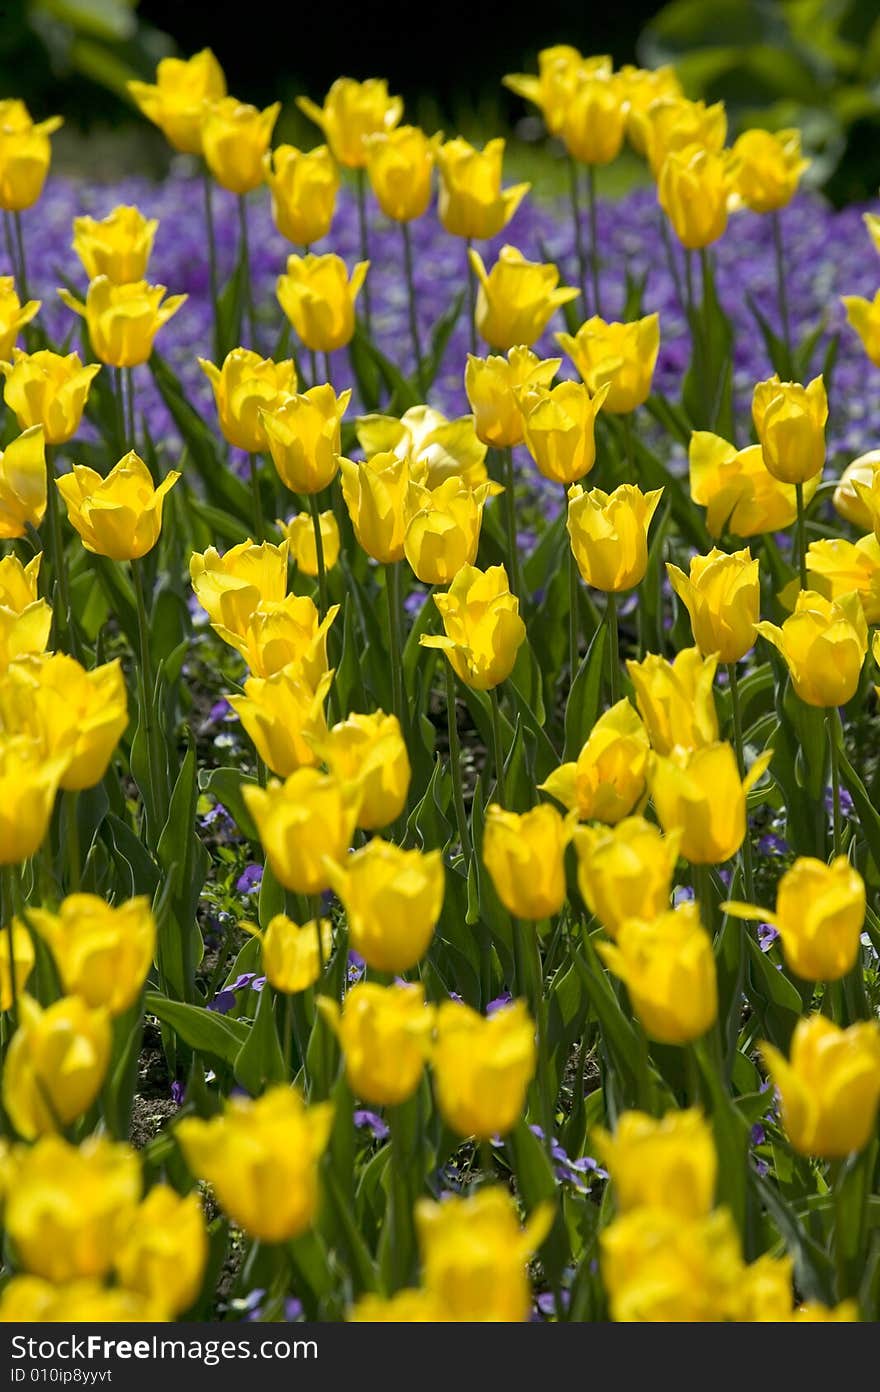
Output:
x,y
164,1251
352,112
293,953
22,484
435,447
23,959
25,155
525,856
668,968
829,1086
472,202
671,124
623,356
608,778
482,1067
559,70
244,388
304,824
442,529
287,634
117,246
261,1159
284,716
824,644
404,1307
516,299
123,320
492,385
28,784
864,316
847,501
384,1033
178,99
303,433
392,900
812,1312
475,1255
836,567
820,912
28,1299
318,298
369,750
700,794
594,119
13,316
668,1163
790,424
609,534
400,163
19,583
676,699
625,871
738,490
119,516
303,185
55,1064
299,531
872,223
867,492
48,390
483,629
559,427
68,1206
231,587
723,598
768,168
642,87
375,491
659,1269
765,1292
103,952
235,139
78,715
693,188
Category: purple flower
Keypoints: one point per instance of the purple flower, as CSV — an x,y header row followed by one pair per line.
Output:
x,y
250,879
767,936
178,1091
759,1135
371,1121
225,999
771,844
847,806
499,1002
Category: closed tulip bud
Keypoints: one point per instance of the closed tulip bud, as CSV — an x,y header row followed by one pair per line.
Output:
x,y
244,388
442,529
13,316
284,716
369,750
117,246
559,70
559,427
24,633
516,299
483,629
472,202
22,484
723,598
824,644
435,447
847,501
525,856
299,531
55,1064
621,356
672,124
384,1033
79,715
303,432
642,87
790,424
29,1299
261,1159
23,958
318,298
392,900
123,320
659,1269
19,583
375,493
676,699
303,185
400,163
119,516
178,99
102,952
352,112
608,779
25,155
609,534
700,794
483,1067
829,1086
668,1163
293,953
768,168
48,390
492,385
407,1306
864,316
235,138
68,1206
304,823
836,568
693,188
594,120
668,968
28,784
625,871
738,490
820,912
475,1255
164,1250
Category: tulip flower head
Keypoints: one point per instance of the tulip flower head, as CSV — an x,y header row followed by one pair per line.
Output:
x,y
352,112
235,139
102,952
790,424
625,871
392,900
594,119
318,297
482,1067
25,155
836,567
492,385
676,699
609,534
824,643
525,856
623,356
375,492
119,516
123,320
29,780
55,1064
722,595
659,1268
178,100
738,490
559,70
472,202
608,778
442,529
559,425
293,954
642,87
79,1302
483,630
693,189
668,968
303,434
305,824
304,185
864,316
384,1033
48,390
244,388
829,1085
400,163
436,448
14,971
848,502
76,714
700,794
117,246
284,716
13,316
299,532
369,750
672,124
516,299
164,1251
820,911
668,1163
232,586
22,484
768,168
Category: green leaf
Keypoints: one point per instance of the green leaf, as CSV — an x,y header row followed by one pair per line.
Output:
x,y
260,1061
225,784
585,696
202,1029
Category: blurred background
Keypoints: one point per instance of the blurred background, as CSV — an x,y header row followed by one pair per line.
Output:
x,y
810,63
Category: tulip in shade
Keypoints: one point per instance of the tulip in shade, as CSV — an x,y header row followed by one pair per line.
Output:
x,y
19,940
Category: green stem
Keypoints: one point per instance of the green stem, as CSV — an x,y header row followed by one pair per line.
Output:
x,y
701,879
365,244
573,605
8,875
328,374
128,397
245,259
778,249
739,746
832,718
411,300
314,509
801,535
510,519
12,253
613,646
211,238
22,263
120,409
256,498
464,835
594,239
313,367
574,195
147,683
538,1006
400,1201
59,557
472,297
71,836
498,746
395,635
